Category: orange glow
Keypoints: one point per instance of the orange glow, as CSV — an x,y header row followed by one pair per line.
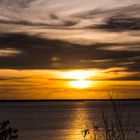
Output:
x,y
51,84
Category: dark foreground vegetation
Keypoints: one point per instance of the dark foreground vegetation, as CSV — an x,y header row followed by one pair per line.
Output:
x,y
116,128
7,132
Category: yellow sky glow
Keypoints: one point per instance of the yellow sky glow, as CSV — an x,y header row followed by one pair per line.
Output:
x,y
64,84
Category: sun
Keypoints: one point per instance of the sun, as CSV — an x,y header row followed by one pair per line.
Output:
x,y
79,78
80,83
77,74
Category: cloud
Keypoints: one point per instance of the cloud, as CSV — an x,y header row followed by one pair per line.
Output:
x,y
8,52
56,14
5,78
63,24
69,34
121,24
42,53
132,47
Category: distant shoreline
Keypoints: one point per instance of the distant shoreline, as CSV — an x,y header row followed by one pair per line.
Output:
x,y
67,100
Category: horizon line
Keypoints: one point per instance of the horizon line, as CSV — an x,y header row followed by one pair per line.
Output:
x,y
64,100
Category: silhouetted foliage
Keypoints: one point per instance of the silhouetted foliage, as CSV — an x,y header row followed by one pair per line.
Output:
x,y
7,132
116,128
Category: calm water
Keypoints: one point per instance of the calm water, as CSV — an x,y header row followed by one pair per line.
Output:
x,y
61,120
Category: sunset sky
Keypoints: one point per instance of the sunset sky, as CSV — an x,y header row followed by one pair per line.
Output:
x,y
69,49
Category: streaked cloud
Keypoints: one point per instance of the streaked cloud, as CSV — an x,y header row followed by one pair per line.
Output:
x,y
7,52
132,47
43,53
70,14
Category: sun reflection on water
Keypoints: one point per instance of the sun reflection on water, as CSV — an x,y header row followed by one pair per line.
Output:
x,y
79,123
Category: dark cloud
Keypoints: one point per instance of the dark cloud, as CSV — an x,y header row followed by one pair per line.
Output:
x,y
21,3
125,18
12,78
63,24
121,24
39,53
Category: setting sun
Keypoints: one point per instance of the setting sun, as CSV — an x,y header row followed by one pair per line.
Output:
x,y
78,74
80,84
79,78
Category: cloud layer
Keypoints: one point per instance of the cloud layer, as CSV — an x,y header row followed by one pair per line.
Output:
x,y
54,34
